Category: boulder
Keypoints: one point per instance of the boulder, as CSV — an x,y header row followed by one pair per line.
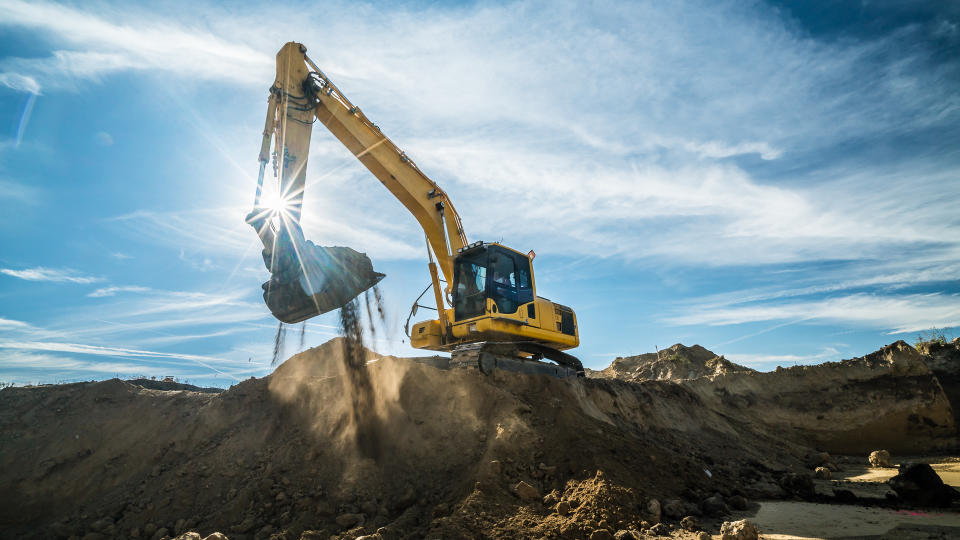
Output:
x,y
525,491
713,506
799,484
919,484
879,458
738,530
822,473
563,508
737,502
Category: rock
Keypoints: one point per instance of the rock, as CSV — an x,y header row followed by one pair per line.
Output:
x,y
799,484
879,458
189,536
525,491
161,533
149,529
563,508
660,530
179,525
690,523
704,535
673,508
216,536
919,484
713,506
601,534
135,533
348,520
653,508
550,499
738,530
624,534
94,536
822,473
737,502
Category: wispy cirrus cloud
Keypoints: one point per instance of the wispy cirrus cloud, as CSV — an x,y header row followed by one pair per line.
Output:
x,y
21,83
893,313
112,291
123,40
56,275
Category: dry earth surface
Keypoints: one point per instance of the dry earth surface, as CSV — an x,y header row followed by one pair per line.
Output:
x,y
402,449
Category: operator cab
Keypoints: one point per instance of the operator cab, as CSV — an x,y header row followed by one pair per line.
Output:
x,y
483,271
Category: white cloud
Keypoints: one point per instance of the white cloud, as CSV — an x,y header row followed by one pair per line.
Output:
x,y
112,291
57,275
20,83
895,314
9,323
76,348
766,361
126,39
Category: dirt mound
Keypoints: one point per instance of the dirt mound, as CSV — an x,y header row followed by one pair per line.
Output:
x,y
435,453
676,363
443,458
886,399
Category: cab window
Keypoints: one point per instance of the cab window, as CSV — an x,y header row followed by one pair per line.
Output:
x,y
470,281
524,283
503,281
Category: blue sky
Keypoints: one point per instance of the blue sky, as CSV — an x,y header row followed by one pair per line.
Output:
x,y
776,181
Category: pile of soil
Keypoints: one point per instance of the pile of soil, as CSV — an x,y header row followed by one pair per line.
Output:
x,y
442,455
339,442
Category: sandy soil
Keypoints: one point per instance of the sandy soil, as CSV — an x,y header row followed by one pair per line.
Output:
x,y
795,520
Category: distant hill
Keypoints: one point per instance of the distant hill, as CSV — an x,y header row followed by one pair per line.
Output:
x,y
676,363
151,384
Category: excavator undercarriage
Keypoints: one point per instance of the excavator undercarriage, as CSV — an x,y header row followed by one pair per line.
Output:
x,y
520,357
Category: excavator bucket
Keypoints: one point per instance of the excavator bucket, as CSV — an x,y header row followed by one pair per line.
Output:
x,y
307,280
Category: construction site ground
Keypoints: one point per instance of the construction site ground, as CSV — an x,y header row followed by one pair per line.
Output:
x,y
401,449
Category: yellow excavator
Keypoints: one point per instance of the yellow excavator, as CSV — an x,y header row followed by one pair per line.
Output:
x,y
493,317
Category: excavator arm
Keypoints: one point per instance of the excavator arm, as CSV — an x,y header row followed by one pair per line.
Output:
x,y
300,94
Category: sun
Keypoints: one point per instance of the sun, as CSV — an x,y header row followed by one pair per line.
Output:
x,y
273,202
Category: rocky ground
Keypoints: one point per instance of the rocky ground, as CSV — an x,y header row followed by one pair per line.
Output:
x,y
661,444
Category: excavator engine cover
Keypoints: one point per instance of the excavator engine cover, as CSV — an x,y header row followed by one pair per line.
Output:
x,y
308,280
